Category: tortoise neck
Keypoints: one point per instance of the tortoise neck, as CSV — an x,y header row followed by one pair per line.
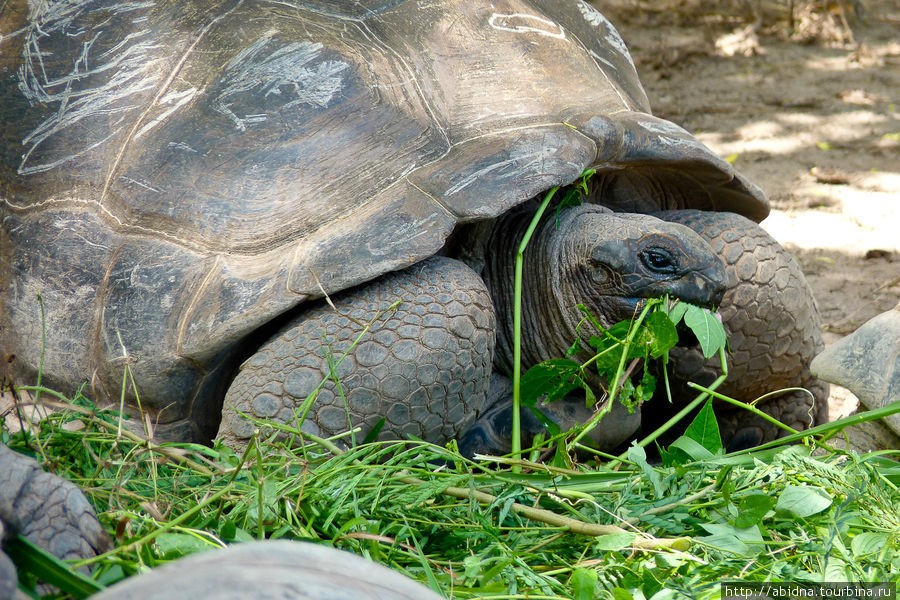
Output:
x,y
550,275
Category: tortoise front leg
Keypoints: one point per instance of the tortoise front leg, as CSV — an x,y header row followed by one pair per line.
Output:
x,y
48,511
773,331
424,365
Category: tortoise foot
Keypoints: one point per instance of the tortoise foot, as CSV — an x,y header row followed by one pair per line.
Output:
x,y
47,510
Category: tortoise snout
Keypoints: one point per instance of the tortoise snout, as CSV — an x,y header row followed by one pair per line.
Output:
x,y
703,286
712,283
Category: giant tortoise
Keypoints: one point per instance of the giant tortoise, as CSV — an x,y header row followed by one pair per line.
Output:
x,y
183,183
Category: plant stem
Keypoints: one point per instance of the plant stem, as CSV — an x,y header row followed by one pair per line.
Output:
x,y
744,405
687,409
615,384
517,326
569,524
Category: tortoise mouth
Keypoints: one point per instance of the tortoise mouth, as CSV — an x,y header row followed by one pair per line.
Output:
x,y
629,307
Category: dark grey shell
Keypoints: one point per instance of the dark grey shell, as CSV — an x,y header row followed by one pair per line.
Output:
x,y
270,570
175,175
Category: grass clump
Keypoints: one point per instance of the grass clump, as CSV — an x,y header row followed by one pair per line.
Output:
x,y
621,529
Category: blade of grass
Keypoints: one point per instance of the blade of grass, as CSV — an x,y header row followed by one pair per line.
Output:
x,y
303,410
535,514
169,452
36,561
165,528
517,325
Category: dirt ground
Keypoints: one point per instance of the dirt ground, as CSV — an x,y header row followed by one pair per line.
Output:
x,y
809,112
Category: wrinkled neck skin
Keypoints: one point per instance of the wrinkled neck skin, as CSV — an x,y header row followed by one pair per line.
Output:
x,y
554,282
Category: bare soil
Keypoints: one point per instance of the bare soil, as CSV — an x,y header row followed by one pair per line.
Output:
x,y
809,110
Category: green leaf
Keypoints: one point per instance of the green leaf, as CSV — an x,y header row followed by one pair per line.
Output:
x,y
269,499
661,333
836,570
227,530
650,585
868,542
676,313
672,458
32,559
373,433
733,539
704,429
621,594
473,567
176,545
752,509
573,193
709,330
584,583
646,387
548,423
585,177
802,501
551,380
614,541
609,354
242,535
691,447
638,456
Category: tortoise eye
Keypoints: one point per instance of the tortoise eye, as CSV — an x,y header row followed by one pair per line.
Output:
x,y
658,260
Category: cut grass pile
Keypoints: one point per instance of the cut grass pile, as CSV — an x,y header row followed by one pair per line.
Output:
x,y
617,529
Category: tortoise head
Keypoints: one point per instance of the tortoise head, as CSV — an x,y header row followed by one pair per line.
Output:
x,y
611,261
608,262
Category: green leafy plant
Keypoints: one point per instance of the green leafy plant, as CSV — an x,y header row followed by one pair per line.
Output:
x,y
627,530
617,351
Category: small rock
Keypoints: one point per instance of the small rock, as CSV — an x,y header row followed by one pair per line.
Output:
x,y
876,253
831,176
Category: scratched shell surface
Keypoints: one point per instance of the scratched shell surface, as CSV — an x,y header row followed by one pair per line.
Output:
x,y
176,174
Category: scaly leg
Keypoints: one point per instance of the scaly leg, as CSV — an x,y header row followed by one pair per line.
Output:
x,y
424,366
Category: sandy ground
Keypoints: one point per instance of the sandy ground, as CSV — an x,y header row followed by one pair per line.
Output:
x,y
810,114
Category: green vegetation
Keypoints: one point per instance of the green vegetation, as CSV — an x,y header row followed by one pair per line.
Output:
x,y
627,530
